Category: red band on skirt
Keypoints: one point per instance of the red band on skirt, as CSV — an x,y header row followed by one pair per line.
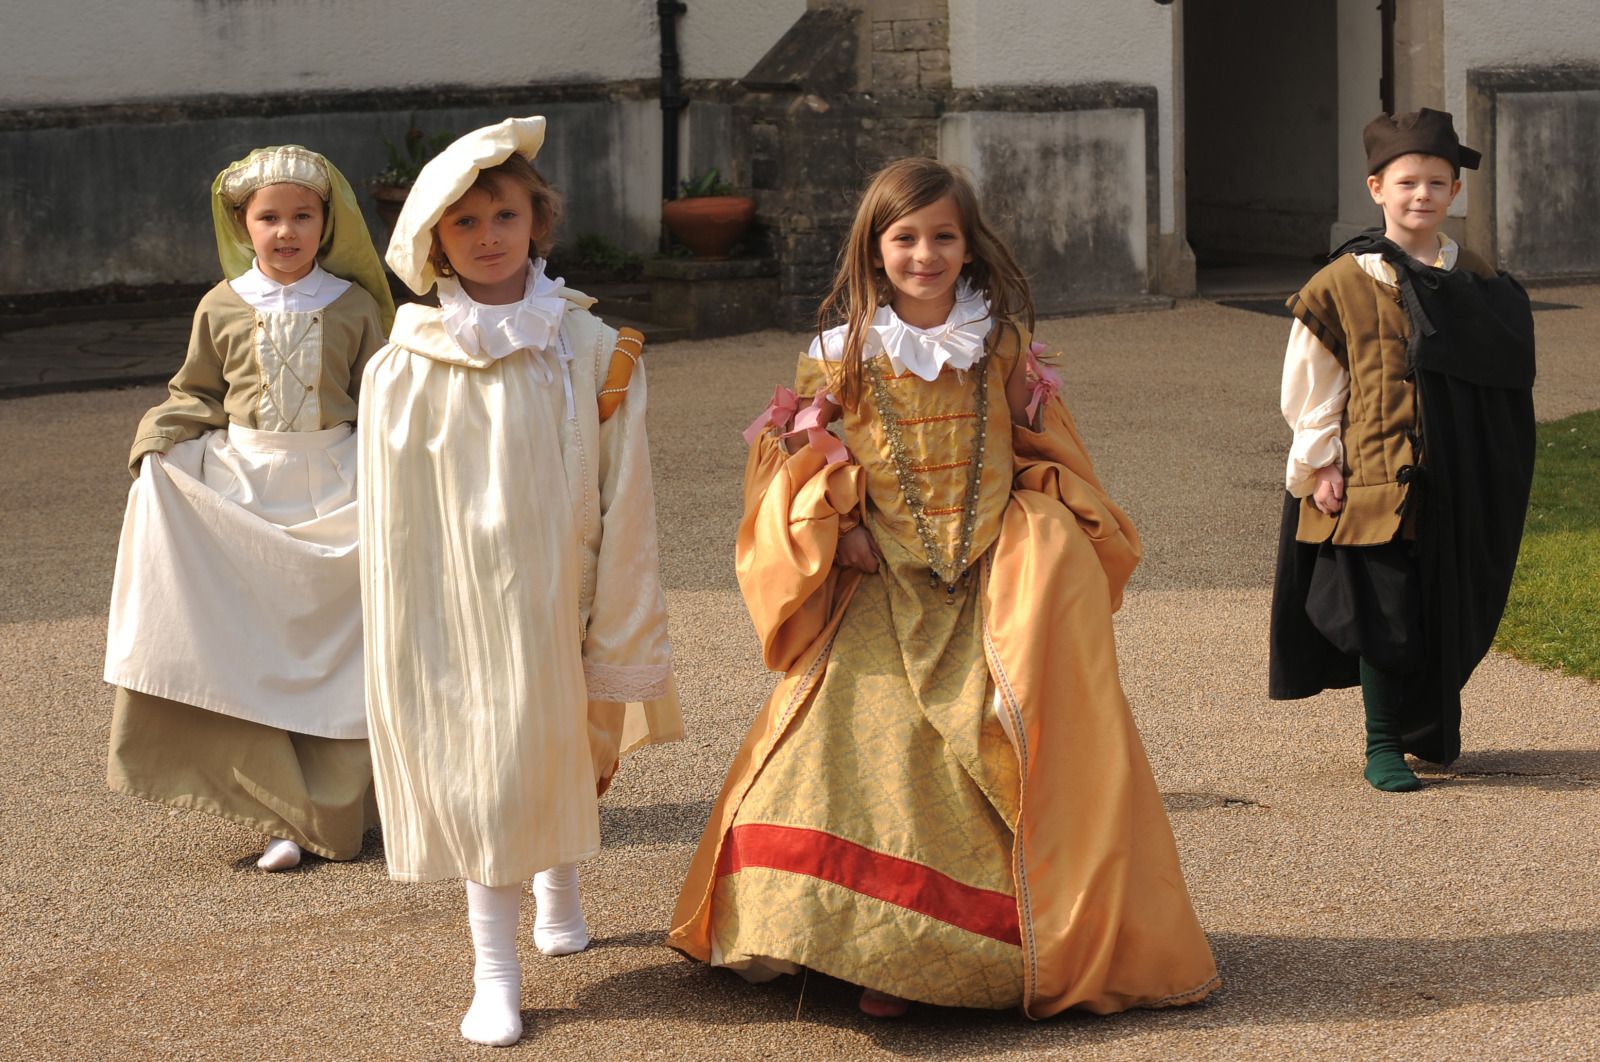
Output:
x,y
882,877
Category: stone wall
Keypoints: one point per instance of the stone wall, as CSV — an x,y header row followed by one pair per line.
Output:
x,y
820,123
119,196
910,47
1064,178
1067,173
1534,200
116,114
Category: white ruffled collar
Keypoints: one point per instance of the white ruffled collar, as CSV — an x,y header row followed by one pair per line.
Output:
x,y
497,332
924,352
500,331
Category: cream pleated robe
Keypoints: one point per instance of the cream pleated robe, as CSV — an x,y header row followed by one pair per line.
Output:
x,y
511,596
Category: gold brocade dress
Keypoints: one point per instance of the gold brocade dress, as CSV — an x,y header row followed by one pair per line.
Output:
x,y
945,797
876,843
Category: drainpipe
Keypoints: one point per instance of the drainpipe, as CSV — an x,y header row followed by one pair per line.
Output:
x,y
1386,85
672,99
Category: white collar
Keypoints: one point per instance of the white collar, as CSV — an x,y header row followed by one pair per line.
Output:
x,y
258,283
499,331
924,352
1373,264
311,292
534,324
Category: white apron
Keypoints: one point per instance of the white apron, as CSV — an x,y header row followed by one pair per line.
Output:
x,y
238,585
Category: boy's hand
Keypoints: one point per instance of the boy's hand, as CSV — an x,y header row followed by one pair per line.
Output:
x,y
1329,495
857,550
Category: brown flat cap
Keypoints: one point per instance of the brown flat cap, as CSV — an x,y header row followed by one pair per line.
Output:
x,y
1424,132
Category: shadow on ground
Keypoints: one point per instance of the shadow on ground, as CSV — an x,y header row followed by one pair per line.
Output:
x,y
1552,770
623,826
1342,980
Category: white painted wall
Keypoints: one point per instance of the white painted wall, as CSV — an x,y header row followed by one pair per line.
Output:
x,y
1494,33
725,38
76,52
1026,42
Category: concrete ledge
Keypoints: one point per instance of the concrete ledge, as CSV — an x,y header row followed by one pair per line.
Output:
x,y
702,299
699,269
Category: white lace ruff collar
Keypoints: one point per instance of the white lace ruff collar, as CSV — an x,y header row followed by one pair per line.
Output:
x,y
923,352
500,331
534,325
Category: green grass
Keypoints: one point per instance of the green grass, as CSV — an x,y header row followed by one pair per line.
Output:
x,y
1553,617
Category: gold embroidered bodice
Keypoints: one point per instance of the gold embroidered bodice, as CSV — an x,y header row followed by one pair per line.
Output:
x,y
938,428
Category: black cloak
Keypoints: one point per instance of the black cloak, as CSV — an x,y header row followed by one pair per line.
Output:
x,y
1429,605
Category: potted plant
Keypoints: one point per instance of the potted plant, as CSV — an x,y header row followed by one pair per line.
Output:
x,y
390,186
708,217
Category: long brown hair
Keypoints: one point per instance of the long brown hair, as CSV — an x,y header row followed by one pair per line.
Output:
x,y
861,287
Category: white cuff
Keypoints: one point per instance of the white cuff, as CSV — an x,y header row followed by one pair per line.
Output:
x,y
1312,449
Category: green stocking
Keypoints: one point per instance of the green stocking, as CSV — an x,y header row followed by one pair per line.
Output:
x,y
1384,695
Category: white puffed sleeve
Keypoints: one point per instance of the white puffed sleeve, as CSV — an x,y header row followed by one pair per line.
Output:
x,y
1315,390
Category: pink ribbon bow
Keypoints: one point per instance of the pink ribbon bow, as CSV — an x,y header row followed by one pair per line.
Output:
x,y
779,412
818,437
1044,381
784,410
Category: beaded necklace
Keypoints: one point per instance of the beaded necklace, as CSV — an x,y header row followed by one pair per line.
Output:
x,y
938,574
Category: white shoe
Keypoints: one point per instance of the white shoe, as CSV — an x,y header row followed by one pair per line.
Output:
x,y
281,854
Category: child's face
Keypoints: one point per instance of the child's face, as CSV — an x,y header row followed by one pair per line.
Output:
x,y
1414,192
922,254
284,222
487,239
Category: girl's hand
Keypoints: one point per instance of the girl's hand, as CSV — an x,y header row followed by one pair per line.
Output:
x,y
1329,495
857,550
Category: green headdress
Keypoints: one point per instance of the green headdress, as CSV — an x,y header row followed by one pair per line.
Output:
x,y
346,249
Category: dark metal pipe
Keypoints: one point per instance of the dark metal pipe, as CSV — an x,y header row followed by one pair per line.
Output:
x,y
1386,87
672,99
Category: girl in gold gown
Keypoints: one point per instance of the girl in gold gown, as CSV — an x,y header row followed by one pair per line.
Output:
x,y
945,799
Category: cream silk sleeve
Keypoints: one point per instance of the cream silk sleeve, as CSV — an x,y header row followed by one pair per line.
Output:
x,y
194,398
626,653
1315,390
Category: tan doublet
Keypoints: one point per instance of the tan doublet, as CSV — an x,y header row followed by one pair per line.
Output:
x,y
1363,324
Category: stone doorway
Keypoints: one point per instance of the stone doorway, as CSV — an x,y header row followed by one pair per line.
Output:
x,y
1262,137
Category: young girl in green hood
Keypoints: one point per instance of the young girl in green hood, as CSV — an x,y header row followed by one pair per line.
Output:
x,y
235,625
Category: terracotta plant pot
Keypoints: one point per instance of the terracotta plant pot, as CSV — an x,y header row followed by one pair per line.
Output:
x,y
709,225
388,199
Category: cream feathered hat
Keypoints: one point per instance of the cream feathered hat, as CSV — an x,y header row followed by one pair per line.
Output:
x,y
446,178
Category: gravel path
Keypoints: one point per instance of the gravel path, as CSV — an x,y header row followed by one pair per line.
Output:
x,y
1460,922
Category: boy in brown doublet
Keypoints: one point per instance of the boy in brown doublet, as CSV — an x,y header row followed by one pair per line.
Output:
x,y
1408,384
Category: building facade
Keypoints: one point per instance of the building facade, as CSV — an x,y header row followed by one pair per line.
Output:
x,y
1116,142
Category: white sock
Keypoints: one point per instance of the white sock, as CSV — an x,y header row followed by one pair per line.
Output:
x,y
281,854
558,925
495,1017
